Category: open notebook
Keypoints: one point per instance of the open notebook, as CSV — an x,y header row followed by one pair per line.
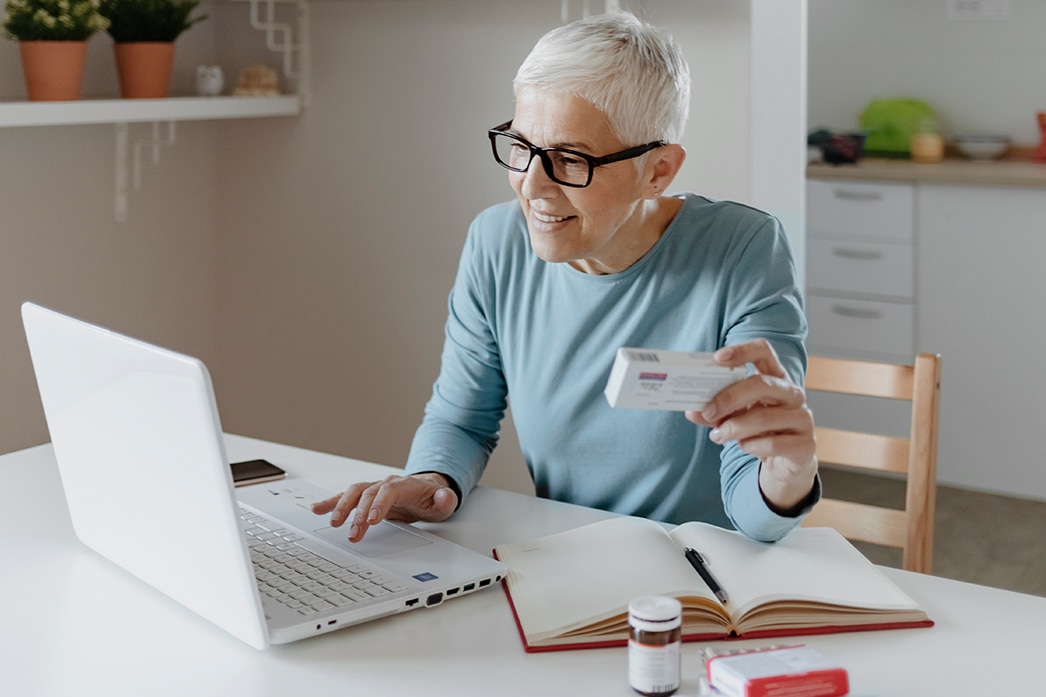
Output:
x,y
572,589
141,456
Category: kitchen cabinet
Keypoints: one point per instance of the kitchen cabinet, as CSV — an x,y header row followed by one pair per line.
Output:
x,y
967,261
860,259
981,287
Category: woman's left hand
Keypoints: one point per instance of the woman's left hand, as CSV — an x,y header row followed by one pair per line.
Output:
x,y
766,414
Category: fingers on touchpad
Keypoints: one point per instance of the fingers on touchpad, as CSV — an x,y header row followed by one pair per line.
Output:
x,y
381,540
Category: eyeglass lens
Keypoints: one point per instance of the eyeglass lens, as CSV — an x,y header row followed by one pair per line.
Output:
x,y
562,166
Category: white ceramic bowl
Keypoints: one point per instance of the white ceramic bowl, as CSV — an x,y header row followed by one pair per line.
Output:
x,y
982,146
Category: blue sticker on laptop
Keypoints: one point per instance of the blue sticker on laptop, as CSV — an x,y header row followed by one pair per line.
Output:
x,y
426,577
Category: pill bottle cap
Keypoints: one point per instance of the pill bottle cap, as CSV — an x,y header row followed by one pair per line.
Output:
x,y
655,613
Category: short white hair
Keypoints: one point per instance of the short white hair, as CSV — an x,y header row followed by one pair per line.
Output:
x,y
633,72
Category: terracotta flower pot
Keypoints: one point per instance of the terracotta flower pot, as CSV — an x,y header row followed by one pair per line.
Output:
x,y
144,69
54,70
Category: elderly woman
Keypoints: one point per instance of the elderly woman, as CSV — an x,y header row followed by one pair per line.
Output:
x,y
593,256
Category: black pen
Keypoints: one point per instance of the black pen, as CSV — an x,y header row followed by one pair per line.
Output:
x,y
698,563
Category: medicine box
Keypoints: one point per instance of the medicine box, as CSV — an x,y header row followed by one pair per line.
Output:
x,y
667,380
790,671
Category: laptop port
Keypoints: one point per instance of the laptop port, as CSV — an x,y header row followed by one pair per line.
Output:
x,y
484,582
469,587
412,602
434,599
452,591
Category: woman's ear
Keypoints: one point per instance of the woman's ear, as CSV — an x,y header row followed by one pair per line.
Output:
x,y
663,166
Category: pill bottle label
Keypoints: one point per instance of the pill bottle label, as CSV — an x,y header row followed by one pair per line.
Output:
x,y
653,670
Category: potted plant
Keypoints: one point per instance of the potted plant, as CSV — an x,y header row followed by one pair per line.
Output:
x,y
52,36
144,32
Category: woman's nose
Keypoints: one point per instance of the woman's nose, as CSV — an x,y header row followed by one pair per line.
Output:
x,y
536,180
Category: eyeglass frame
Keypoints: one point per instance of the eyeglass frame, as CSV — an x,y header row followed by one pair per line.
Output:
x,y
546,161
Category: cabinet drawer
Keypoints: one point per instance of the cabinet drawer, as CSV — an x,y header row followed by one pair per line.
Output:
x,y
860,267
859,327
860,210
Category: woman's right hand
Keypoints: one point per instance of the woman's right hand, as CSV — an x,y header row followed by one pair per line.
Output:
x,y
424,496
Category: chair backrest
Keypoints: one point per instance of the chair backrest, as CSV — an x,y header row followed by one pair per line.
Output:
x,y
914,457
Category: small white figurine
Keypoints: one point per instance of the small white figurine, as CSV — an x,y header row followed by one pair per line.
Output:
x,y
209,80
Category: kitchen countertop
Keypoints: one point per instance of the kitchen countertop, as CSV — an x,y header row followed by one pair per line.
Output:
x,y
1017,171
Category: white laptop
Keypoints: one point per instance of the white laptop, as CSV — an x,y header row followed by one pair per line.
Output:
x,y
140,452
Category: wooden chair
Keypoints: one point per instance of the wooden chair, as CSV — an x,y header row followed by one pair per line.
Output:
x,y
914,457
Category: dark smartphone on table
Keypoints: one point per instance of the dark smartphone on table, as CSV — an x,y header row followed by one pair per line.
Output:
x,y
255,472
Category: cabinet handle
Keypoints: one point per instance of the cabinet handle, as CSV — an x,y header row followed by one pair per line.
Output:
x,y
857,254
856,312
851,195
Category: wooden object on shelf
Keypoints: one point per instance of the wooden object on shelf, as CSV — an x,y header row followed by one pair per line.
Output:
x,y
257,81
914,457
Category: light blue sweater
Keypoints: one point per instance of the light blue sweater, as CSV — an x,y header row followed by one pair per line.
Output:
x,y
544,335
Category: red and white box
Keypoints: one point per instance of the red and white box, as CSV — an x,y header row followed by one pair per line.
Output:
x,y
666,380
789,671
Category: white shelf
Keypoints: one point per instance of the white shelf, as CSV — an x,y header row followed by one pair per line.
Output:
x,y
280,37
92,111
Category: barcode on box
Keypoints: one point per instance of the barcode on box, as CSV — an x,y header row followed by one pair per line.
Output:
x,y
643,356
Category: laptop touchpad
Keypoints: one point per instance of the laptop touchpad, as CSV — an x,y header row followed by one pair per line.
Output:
x,y
381,540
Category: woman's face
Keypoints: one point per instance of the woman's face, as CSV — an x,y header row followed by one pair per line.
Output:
x,y
598,229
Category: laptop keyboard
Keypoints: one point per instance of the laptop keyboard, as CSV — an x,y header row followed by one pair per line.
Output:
x,y
302,580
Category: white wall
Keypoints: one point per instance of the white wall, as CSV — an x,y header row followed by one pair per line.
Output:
x,y
154,276
978,75
777,134
308,259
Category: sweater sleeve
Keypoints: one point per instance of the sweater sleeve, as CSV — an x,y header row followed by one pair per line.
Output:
x,y
463,416
765,303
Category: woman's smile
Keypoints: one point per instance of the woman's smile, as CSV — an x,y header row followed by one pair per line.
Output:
x,y
547,218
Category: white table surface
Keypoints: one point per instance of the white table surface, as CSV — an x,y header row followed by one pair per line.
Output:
x,y
71,623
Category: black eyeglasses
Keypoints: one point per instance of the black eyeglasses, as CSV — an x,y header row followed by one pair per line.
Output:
x,y
563,166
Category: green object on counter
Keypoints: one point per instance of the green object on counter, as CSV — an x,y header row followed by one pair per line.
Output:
x,y
890,124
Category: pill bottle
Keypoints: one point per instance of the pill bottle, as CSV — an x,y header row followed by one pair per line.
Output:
x,y
654,655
